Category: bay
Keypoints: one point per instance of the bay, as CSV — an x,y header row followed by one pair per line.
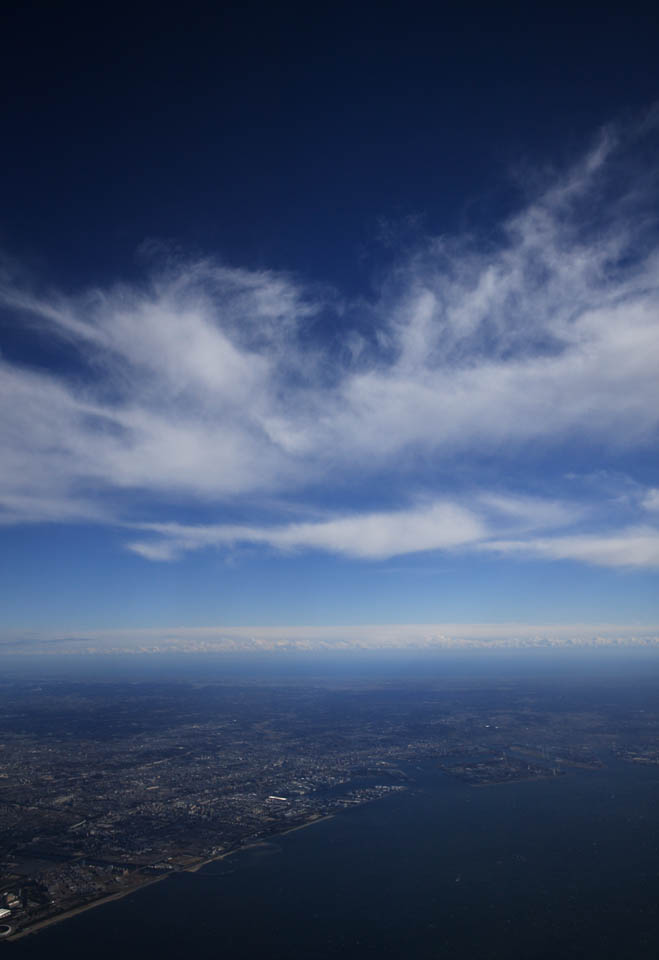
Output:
x,y
567,867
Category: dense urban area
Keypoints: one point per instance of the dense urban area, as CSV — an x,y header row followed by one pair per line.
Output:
x,y
108,786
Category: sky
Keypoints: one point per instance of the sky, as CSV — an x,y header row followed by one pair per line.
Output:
x,y
318,318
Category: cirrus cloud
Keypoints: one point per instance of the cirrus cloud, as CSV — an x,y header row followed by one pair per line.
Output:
x,y
207,385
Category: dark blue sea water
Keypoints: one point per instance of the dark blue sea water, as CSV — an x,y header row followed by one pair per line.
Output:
x,y
546,869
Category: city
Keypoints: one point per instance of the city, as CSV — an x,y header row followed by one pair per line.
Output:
x,y
107,787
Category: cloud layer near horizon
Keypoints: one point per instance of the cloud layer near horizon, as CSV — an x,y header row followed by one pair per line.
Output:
x,y
213,385
425,637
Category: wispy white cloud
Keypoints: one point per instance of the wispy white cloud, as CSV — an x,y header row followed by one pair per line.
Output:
x,y
372,536
491,523
205,383
528,513
651,499
630,547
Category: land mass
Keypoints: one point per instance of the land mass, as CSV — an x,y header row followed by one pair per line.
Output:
x,y
108,786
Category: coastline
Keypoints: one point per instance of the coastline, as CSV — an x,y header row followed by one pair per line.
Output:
x,y
40,925
256,843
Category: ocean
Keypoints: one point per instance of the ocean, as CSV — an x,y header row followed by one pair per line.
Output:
x,y
560,868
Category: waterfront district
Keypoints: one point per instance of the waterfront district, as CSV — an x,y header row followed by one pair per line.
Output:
x,y
105,787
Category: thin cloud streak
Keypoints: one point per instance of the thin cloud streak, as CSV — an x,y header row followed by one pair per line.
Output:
x,y
632,547
373,536
439,526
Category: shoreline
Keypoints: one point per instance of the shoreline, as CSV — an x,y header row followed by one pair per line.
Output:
x,y
256,843
40,925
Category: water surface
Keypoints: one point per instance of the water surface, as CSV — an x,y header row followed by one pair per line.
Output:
x,y
560,868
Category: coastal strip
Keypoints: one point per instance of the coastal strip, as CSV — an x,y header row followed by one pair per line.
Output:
x,y
256,843
39,925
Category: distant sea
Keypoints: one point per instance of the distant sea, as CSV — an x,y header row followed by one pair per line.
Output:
x,y
555,869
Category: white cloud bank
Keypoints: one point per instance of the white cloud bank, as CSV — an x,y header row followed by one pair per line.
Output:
x,y
207,384
427,638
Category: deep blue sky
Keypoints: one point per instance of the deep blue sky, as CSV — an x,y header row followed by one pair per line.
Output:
x,y
252,129
330,316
